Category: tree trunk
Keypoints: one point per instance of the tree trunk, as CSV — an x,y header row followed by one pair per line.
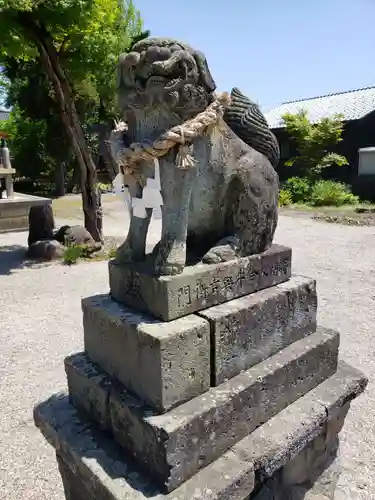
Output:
x,y
91,200
104,133
74,181
60,179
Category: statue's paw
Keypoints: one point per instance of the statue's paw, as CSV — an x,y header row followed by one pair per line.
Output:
x,y
170,259
169,269
223,251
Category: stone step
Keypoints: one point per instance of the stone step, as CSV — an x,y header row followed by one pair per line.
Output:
x,y
103,470
247,330
164,363
174,446
199,286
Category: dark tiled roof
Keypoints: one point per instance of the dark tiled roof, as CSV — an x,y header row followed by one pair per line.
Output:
x,y
4,114
353,105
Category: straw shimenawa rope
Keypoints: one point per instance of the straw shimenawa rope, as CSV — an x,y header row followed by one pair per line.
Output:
x,y
183,135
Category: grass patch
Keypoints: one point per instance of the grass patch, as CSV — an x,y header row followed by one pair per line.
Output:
x,y
112,253
330,209
349,215
75,253
346,220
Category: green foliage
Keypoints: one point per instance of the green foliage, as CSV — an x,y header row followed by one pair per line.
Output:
x,y
108,31
330,193
9,127
299,189
88,36
74,252
112,253
314,142
285,198
26,140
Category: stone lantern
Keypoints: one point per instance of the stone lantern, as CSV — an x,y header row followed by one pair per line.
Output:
x,y
6,170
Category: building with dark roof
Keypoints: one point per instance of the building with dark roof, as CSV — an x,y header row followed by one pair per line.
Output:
x,y
4,114
358,110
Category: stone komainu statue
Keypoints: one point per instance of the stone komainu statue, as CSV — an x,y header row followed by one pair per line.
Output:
x,y
226,204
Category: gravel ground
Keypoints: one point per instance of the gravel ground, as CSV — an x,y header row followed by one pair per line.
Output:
x,y
40,323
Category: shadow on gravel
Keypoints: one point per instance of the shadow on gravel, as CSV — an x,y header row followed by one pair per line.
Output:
x,y
13,257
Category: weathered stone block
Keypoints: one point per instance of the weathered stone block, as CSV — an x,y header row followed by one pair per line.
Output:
x,y
312,460
93,467
247,330
74,489
199,286
174,446
288,433
88,388
163,363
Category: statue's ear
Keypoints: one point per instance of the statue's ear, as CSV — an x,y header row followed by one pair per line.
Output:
x,y
204,71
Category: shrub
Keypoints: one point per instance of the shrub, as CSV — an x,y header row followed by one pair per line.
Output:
x,y
105,188
299,189
74,252
332,193
285,198
112,253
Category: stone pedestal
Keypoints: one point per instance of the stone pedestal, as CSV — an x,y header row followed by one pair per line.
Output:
x,y
238,396
14,211
7,174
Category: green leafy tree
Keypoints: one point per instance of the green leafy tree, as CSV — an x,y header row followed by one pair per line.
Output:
x,y
39,145
315,142
77,43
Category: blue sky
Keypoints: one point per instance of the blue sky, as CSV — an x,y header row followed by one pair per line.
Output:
x,y
274,50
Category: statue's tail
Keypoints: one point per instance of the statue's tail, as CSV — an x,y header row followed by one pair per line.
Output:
x,y
246,120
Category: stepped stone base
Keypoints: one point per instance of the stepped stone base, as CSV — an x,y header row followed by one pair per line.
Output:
x,y
288,451
175,445
199,286
168,363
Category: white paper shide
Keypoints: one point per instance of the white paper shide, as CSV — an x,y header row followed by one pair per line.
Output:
x,y
151,194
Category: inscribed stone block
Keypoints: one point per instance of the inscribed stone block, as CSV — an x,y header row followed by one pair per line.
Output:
x,y
199,286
